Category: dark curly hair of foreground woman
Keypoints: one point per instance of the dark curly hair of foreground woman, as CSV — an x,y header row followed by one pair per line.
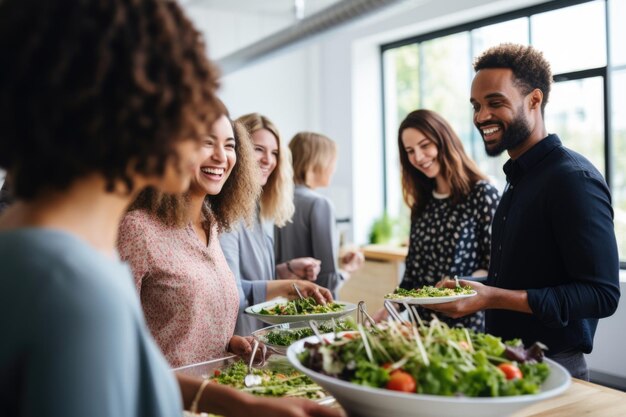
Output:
x,y
71,77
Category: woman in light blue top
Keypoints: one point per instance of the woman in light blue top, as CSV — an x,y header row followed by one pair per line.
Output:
x,y
312,231
98,100
249,251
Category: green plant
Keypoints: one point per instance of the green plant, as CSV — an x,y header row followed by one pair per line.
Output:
x,y
382,229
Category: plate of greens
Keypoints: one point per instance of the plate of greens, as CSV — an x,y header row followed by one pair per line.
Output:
x,y
280,336
430,295
281,310
431,370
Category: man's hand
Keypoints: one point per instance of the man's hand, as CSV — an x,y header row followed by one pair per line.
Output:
x,y
464,306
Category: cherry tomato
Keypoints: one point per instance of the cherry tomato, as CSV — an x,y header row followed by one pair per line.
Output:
x,y
401,381
217,372
510,371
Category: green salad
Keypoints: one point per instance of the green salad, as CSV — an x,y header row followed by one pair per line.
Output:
x,y
301,306
279,380
430,291
285,337
431,359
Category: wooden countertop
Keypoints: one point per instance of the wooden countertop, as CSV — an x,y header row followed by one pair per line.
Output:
x,y
581,399
385,252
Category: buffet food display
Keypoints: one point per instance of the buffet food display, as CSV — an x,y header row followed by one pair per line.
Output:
x,y
403,370
280,336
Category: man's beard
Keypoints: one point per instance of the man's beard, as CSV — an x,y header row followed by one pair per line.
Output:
x,y
517,132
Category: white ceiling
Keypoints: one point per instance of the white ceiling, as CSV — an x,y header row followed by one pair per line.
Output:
x,y
230,25
275,8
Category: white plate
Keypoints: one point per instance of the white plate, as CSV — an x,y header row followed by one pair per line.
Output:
x,y
430,300
365,401
253,311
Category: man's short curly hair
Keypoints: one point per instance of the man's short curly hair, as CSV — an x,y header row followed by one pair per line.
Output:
x,y
530,68
91,86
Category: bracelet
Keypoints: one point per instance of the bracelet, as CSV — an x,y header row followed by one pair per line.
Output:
x,y
289,268
194,403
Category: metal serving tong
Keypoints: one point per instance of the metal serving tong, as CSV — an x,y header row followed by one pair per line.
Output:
x,y
295,287
391,309
361,315
252,380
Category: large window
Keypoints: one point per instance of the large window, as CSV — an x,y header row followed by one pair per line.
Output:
x,y
583,41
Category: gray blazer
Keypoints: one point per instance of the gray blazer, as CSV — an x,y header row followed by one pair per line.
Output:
x,y
311,233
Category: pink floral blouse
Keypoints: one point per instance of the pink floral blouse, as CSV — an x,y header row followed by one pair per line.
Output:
x,y
188,293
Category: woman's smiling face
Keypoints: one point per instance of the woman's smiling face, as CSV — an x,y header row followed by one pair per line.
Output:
x,y
218,158
421,151
266,152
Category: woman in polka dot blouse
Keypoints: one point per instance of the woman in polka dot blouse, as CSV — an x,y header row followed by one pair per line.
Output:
x,y
452,205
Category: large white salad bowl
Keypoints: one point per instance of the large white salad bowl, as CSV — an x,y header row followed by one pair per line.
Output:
x,y
362,401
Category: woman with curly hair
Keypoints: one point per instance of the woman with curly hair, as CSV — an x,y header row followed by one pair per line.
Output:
x,y
98,100
250,251
188,292
452,205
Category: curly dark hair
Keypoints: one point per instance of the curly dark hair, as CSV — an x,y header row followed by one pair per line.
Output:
x,y
457,168
91,86
530,68
236,201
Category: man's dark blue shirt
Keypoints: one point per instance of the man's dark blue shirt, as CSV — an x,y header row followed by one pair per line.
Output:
x,y
553,236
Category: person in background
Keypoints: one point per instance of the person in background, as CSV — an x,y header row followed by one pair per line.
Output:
x,y
452,205
97,101
313,232
250,251
188,293
554,267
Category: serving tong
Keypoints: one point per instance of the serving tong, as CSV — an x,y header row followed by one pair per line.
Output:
x,y
252,380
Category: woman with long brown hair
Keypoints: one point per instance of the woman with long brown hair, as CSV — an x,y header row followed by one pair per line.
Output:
x,y
452,205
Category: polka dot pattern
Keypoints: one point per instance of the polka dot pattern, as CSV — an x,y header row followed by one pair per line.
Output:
x,y
449,240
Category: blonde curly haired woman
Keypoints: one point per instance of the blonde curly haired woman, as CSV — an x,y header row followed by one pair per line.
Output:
x,y
249,251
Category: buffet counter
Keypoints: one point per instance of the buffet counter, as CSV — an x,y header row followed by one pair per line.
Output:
x,y
581,399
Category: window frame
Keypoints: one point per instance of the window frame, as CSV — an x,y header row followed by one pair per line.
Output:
x,y
604,72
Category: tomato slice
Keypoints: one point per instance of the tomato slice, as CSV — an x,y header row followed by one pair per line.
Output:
x,y
401,381
510,371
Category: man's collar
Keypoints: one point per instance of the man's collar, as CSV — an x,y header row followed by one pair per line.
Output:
x,y
515,169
